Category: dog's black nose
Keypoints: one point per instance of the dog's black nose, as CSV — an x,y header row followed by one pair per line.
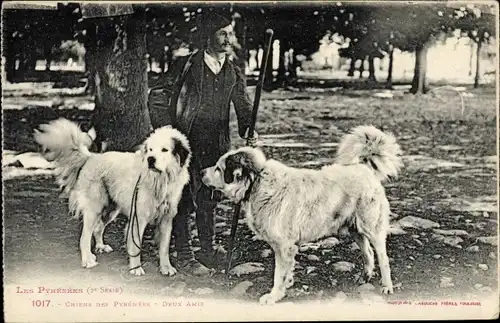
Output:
x,y
151,162
202,172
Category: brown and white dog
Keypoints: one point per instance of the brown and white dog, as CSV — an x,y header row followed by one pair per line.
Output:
x,y
97,182
288,206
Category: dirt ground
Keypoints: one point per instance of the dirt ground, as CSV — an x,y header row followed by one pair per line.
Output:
x,y
449,178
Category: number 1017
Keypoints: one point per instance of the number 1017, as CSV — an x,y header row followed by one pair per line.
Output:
x,y
40,303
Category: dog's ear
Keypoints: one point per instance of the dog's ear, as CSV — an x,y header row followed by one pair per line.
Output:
x,y
232,165
238,166
247,162
181,151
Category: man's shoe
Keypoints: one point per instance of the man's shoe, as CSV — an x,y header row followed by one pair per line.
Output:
x,y
215,258
193,267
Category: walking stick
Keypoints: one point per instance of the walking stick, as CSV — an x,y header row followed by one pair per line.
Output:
x,y
251,130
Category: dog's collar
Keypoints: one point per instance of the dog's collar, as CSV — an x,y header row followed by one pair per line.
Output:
x,y
246,197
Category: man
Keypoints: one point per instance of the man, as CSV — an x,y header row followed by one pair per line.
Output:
x,y
206,83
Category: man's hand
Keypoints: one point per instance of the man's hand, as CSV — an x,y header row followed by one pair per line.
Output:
x,y
252,142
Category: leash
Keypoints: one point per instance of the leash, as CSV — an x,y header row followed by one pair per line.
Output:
x,y
134,221
251,130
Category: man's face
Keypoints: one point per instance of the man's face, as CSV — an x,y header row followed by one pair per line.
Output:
x,y
222,40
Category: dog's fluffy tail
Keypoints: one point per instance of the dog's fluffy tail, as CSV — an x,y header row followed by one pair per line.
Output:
x,y
370,146
63,142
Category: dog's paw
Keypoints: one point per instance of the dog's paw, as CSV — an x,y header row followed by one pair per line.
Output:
x,y
137,271
386,290
365,277
89,261
168,270
103,248
368,277
269,299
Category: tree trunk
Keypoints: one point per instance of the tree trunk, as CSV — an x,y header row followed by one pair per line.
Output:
x,y
292,66
478,59
169,57
121,116
241,34
371,69
150,63
471,58
362,68
91,57
257,60
10,60
47,53
419,84
31,61
10,68
352,67
161,62
281,77
23,65
388,84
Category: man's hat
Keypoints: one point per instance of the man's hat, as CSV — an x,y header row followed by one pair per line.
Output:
x,y
213,21
210,22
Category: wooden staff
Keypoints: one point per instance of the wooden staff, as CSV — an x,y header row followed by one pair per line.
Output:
x,y
251,130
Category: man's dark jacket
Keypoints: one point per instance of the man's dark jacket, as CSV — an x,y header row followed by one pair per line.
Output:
x,y
190,102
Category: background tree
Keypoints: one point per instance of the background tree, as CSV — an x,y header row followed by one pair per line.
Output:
x,y
168,28
121,115
30,35
417,26
296,27
477,21
386,35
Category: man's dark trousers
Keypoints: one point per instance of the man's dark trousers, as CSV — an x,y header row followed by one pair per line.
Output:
x,y
204,138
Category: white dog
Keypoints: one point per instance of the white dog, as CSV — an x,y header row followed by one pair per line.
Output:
x,y
153,177
288,206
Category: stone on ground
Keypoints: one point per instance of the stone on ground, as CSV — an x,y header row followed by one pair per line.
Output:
x,y
492,240
446,282
313,258
247,268
241,289
266,253
343,266
328,243
417,223
451,232
449,240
